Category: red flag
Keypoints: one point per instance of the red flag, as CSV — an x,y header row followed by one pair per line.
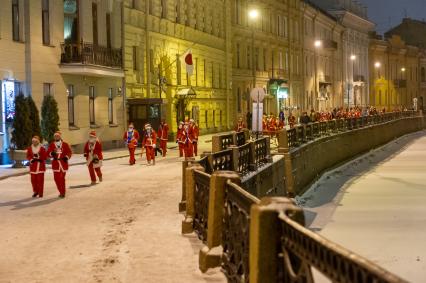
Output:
x,y
187,60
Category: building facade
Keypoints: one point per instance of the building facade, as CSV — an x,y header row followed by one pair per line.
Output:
x,y
322,61
413,32
395,73
71,50
158,33
267,53
355,62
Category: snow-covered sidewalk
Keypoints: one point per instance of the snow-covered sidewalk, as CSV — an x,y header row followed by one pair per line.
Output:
x,y
125,229
375,206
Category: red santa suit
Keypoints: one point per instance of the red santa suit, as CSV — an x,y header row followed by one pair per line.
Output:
x,y
180,140
60,152
94,157
196,134
149,143
163,134
37,156
131,139
186,139
240,126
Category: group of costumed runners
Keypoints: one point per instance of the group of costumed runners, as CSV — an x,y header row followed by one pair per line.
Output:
x,y
186,138
59,152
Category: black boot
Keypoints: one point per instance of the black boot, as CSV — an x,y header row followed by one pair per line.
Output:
x,y
35,195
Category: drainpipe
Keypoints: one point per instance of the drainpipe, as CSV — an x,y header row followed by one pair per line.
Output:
x,y
123,80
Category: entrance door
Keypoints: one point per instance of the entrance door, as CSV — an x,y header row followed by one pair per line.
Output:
x,y
141,114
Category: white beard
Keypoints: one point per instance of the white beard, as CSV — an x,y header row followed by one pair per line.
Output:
x,y
58,144
35,149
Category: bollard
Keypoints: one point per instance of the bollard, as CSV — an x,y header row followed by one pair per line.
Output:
x,y
187,223
210,255
265,232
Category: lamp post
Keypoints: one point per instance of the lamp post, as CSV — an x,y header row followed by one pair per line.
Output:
x,y
377,67
317,45
353,58
402,78
253,14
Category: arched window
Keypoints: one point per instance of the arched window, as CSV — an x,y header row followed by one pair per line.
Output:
x,y
423,74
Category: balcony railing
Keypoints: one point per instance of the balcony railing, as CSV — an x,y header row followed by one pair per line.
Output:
x,y
91,54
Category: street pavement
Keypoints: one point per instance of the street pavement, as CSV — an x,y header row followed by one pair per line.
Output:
x,y
375,206
125,229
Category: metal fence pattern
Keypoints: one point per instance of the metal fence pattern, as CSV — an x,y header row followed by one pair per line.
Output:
x,y
222,160
300,134
236,233
201,204
302,249
244,159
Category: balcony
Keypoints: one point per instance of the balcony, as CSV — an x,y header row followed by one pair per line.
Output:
x,y
89,59
400,83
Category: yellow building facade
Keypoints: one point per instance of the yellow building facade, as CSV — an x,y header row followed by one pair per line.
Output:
x,y
394,73
157,34
267,53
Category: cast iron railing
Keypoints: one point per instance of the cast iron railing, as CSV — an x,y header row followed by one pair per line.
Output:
x,y
302,249
201,203
222,160
236,233
244,159
91,54
301,134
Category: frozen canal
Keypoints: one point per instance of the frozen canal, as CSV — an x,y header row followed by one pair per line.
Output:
x,y
376,206
126,229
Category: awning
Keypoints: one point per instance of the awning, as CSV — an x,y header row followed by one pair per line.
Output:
x,y
185,92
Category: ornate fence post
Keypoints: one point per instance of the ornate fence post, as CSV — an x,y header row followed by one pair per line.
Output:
x,y
282,141
210,255
182,204
253,165
216,143
265,235
234,138
187,223
268,149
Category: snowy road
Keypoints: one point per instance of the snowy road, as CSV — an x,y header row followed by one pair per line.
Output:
x,y
126,229
376,206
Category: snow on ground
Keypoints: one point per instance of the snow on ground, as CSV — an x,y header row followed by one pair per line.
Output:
x,y
126,229
375,206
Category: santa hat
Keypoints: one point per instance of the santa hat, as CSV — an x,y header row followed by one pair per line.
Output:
x,y
36,138
92,134
58,133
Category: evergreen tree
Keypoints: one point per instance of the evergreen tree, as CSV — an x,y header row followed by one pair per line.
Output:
x,y
49,117
34,117
22,132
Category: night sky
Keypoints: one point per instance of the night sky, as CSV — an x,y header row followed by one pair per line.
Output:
x,y
389,13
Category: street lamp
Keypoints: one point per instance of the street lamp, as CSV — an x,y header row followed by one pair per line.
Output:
x,y
317,45
377,66
402,78
353,58
253,14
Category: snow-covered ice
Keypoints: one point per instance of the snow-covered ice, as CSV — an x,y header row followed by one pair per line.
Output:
x,y
376,206
126,229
